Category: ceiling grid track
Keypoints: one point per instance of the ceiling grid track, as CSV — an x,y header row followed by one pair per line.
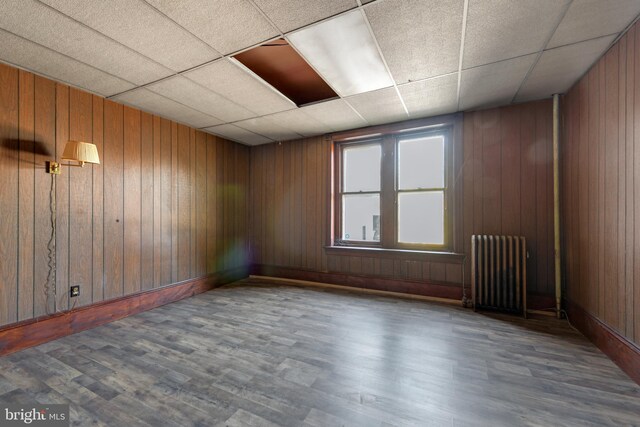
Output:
x,y
539,54
462,37
72,59
103,35
529,39
384,61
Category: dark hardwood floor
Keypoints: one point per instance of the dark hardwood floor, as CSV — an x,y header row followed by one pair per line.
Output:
x,y
264,354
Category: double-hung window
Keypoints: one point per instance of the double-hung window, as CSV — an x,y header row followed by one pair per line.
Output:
x,y
421,189
393,191
360,194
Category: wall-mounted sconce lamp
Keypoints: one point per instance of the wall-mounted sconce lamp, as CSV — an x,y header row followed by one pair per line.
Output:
x,y
75,151
81,153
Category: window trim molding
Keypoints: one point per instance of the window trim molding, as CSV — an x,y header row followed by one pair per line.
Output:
x,y
395,130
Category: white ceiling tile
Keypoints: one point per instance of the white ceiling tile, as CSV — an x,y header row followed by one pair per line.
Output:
x,y
269,128
234,83
300,122
587,19
343,51
157,104
226,25
558,69
418,38
235,133
23,53
142,28
502,29
494,84
336,114
47,27
431,97
289,15
380,106
186,92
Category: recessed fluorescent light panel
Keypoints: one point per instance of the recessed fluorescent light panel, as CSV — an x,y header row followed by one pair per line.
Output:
x,y
344,52
278,64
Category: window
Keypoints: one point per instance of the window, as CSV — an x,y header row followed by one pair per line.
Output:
x,y
421,189
392,191
361,192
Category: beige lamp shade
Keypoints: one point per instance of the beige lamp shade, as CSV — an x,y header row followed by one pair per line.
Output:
x,y
82,152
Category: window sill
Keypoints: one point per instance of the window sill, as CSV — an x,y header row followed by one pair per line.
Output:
x,y
405,254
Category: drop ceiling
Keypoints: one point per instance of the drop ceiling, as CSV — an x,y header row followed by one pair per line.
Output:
x,y
428,57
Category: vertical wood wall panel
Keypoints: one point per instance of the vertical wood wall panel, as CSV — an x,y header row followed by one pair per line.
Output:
x,y
611,188
166,191
183,200
157,203
193,191
173,206
582,132
601,189
9,147
132,200
80,199
634,294
154,207
212,203
243,235
44,115
221,197
629,182
113,200
146,201
591,297
26,207
97,172
201,208
62,200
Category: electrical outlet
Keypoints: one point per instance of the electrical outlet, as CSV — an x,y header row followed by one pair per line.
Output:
x,y
74,291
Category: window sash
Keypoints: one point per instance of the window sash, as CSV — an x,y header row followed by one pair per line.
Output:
x,y
443,219
446,133
389,191
344,214
340,211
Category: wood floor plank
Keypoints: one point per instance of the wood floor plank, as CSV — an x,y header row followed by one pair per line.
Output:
x,y
265,353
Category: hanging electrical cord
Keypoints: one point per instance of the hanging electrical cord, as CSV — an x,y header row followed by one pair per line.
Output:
x,y
50,285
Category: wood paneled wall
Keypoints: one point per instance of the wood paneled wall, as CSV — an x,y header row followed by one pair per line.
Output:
x,y
601,188
289,196
507,189
166,204
508,182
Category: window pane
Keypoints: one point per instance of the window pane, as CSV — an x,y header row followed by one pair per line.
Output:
x,y
421,217
361,217
421,163
361,168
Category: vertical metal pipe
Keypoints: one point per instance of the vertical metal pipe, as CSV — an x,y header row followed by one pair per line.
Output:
x,y
556,200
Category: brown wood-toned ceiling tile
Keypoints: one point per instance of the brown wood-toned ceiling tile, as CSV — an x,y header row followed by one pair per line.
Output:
x,y
282,67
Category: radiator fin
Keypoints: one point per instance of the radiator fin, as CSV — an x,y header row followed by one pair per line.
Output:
x,y
499,273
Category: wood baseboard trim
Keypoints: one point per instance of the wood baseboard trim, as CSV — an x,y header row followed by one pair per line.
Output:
x,y
623,352
279,280
447,292
29,333
407,287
